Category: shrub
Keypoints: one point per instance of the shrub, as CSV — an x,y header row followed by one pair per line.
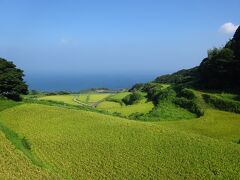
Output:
x,y
222,104
115,100
137,87
132,98
166,94
190,105
155,93
187,93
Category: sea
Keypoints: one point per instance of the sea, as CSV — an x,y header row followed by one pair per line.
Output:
x,y
76,82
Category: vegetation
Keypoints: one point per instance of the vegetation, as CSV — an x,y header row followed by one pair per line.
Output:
x,y
190,105
119,147
68,99
222,104
11,81
92,97
61,135
118,97
133,98
218,71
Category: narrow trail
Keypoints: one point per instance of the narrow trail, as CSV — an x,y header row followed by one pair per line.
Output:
x,y
81,103
93,105
98,102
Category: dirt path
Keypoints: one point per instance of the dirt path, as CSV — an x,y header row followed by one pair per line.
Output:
x,y
80,103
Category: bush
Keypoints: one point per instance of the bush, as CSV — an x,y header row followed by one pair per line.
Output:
x,y
222,104
156,93
187,93
132,98
190,105
166,94
137,87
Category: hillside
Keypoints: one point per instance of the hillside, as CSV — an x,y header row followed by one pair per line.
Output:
x,y
87,145
220,70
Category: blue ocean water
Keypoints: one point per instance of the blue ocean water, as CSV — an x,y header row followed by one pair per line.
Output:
x,y
76,82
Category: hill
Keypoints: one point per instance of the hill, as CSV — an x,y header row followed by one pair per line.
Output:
x,y
220,70
87,145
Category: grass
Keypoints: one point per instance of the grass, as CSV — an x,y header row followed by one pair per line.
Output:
x,y
88,145
169,111
215,124
114,107
15,165
20,143
118,96
4,104
83,98
97,97
91,98
108,105
68,99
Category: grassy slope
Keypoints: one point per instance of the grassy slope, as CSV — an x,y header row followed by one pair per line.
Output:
x,y
15,165
108,105
97,97
216,124
119,96
89,145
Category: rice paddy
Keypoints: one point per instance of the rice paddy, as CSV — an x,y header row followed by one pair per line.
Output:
x,y
50,142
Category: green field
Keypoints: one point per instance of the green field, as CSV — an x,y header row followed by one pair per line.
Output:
x,y
50,142
118,96
87,145
91,98
113,107
109,105
68,99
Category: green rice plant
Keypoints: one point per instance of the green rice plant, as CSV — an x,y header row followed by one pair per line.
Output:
x,y
125,111
68,99
15,165
221,125
118,96
91,98
87,145
97,97
106,105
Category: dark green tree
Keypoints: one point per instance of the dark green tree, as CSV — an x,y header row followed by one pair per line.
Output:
x,y
11,80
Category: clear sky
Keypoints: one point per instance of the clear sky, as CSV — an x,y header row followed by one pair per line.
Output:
x,y
78,36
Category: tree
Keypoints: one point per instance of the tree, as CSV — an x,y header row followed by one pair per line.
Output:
x,y
132,98
11,81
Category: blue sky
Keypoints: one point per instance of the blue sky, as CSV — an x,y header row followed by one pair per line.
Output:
x,y
74,36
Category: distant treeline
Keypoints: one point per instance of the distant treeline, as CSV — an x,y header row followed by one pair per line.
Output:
x,y
91,90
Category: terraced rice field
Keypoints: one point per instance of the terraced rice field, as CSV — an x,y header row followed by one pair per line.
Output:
x,y
68,99
92,98
109,105
144,107
119,96
86,145
14,165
